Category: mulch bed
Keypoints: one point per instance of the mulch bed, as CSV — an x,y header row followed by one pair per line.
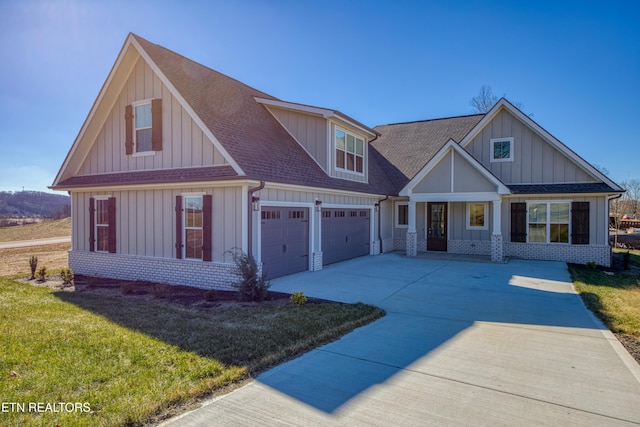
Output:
x,y
187,296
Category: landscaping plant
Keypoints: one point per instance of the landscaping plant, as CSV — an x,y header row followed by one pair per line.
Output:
x,y
66,274
253,285
42,274
33,264
298,298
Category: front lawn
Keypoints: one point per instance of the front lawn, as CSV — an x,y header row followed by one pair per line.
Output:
x,y
131,360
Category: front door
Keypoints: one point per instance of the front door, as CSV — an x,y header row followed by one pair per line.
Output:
x,y
437,227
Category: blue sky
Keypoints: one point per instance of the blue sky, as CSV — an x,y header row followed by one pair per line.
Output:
x,y
574,65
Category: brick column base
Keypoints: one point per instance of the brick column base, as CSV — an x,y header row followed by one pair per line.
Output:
x,y
317,261
412,244
496,248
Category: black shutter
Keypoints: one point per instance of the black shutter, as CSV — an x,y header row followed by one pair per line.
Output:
x,y
179,227
518,222
128,134
580,223
207,213
156,125
111,212
92,224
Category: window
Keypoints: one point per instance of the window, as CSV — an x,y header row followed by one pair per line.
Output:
x,y
102,225
477,216
548,222
193,233
142,127
402,215
501,149
349,152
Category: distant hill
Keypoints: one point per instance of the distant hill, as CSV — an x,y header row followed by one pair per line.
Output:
x,y
34,204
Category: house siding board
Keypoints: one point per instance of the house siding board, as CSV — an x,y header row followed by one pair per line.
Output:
x,y
183,143
438,180
309,131
468,179
535,160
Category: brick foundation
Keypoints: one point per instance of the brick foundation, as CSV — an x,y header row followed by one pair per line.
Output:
x,y
205,275
469,247
579,254
497,248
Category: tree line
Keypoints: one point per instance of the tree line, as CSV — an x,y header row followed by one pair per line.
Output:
x,y
34,204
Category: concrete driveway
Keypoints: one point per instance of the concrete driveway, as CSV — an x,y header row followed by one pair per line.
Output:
x,y
463,343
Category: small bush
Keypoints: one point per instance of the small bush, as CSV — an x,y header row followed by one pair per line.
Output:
x,y
66,274
298,298
210,295
592,265
253,285
41,275
626,257
33,264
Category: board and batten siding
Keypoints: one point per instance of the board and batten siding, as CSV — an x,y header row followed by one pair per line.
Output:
x,y
183,142
598,216
535,160
145,221
309,131
464,177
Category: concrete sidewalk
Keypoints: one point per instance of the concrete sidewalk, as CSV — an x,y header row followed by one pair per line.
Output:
x,y
463,343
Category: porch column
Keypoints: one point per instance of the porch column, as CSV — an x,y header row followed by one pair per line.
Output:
x,y
496,235
412,235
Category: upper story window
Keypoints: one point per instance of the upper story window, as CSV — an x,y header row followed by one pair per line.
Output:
x,y
143,127
501,149
142,131
349,152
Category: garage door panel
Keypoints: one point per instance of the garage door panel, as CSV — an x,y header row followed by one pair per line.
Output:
x,y
285,240
345,234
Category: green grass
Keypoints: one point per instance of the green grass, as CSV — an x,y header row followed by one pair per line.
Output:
x,y
40,230
133,360
614,299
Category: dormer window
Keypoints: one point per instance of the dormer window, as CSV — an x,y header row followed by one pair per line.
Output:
x,y
349,152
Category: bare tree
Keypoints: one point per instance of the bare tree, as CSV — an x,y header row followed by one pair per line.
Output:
x,y
633,189
484,100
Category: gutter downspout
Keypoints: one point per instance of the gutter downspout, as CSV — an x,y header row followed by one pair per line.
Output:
x,y
380,220
250,218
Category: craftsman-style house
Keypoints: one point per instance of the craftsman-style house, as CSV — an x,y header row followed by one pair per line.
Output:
x,y
176,164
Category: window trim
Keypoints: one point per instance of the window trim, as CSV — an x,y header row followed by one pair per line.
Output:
x,y
186,196
493,141
548,222
468,216
134,105
396,215
335,148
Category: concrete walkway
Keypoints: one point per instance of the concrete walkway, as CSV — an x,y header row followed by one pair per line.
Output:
x,y
463,343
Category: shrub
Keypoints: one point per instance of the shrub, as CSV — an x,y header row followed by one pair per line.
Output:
x,y
253,285
33,264
41,275
592,265
210,295
66,274
298,298
626,257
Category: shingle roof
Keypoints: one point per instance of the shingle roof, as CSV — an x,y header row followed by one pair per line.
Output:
x,y
248,132
592,187
206,173
406,147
